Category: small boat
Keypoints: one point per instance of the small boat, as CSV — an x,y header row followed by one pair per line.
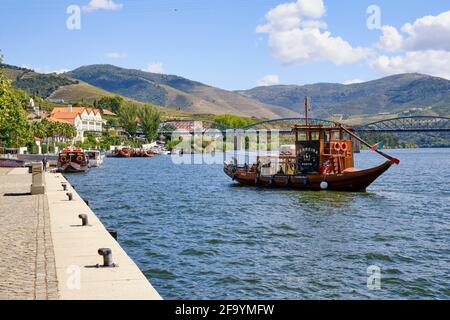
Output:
x,y
73,160
147,154
123,152
95,158
322,159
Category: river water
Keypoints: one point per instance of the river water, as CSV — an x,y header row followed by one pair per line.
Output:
x,y
197,235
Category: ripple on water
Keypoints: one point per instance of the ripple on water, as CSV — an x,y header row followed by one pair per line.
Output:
x,y
197,235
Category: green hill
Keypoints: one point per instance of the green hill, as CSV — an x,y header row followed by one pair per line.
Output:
x,y
356,103
175,91
392,94
36,83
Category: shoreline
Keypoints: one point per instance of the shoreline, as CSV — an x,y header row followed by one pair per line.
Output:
x,y
66,261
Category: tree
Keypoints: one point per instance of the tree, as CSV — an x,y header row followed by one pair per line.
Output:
x,y
233,121
113,104
128,118
45,129
14,128
150,120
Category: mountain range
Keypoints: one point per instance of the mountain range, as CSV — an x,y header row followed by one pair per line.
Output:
x,y
389,95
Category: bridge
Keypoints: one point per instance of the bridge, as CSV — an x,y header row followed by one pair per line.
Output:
x,y
284,126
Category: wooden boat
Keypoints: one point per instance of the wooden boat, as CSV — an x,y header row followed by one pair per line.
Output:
x,y
128,152
147,154
323,160
124,152
73,160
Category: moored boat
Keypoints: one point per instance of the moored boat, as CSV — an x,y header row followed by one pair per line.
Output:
x,y
123,152
128,152
147,154
73,160
95,158
323,160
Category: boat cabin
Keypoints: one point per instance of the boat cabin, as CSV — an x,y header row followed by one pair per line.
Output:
x,y
320,149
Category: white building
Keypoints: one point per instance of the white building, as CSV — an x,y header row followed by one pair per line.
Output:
x,y
85,120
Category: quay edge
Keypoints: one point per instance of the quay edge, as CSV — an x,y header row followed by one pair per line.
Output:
x,y
76,252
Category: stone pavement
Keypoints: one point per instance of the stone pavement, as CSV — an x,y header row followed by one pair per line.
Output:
x,y
27,262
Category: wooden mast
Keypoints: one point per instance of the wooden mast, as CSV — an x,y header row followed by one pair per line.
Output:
x,y
306,117
306,109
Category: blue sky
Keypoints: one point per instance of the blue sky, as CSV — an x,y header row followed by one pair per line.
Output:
x,y
216,41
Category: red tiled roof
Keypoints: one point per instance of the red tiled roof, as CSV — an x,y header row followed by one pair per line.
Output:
x,y
63,120
75,109
106,112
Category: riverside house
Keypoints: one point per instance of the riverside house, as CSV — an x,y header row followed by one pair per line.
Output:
x,y
85,120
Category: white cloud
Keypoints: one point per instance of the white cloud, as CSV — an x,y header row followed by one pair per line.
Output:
x,y
295,40
428,33
268,80
45,70
116,55
156,67
424,46
94,5
353,81
391,40
432,62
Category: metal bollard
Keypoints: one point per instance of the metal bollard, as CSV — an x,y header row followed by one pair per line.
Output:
x,y
106,253
69,195
86,201
64,185
84,219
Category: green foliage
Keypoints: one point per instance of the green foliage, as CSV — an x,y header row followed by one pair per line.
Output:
x,y
14,128
127,117
113,122
113,104
90,142
150,119
389,140
44,148
33,148
39,84
107,140
45,129
233,121
139,85
62,145
391,94
78,144
172,144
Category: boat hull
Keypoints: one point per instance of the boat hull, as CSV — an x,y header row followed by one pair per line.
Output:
x,y
351,181
73,167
